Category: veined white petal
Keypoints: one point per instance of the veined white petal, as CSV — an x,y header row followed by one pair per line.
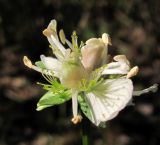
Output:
x,y
107,105
113,71
52,64
120,67
113,65
74,103
94,106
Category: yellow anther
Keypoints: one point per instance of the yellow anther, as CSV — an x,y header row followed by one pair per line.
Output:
x,y
77,119
62,36
120,58
47,32
133,72
27,62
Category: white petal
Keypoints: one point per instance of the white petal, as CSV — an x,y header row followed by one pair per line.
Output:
x,y
106,106
116,68
113,65
113,71
51,63
90,97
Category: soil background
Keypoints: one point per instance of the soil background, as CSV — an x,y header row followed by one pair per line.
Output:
x,y
134,26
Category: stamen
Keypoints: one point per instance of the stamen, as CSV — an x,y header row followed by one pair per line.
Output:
x,y
153,89
77,119
133,72
62,36
47,32
53,25
74,41
55,50
106,39
69,44
27,62
48,77
58,44
74,103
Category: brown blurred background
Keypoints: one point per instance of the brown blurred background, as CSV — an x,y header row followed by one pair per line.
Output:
x,y
134,26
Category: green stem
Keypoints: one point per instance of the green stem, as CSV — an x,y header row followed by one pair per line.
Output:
x,y
85,131
85,140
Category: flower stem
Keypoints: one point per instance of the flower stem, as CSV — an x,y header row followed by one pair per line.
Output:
x,y
85,140
85,131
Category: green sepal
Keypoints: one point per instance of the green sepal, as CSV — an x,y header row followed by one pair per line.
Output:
x,y
51,98
40,64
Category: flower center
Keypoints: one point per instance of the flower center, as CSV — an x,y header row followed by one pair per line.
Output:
x,y
72,74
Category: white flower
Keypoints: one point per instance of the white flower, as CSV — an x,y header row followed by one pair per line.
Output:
x,y
82,71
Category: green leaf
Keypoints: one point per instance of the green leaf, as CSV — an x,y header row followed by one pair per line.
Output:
x,y
40,64
85,106
51,98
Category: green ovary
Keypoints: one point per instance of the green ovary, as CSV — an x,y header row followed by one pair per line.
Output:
x,y
72,74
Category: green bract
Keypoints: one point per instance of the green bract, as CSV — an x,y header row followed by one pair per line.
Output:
x,y
50,99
